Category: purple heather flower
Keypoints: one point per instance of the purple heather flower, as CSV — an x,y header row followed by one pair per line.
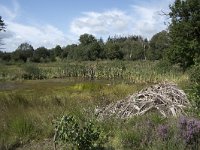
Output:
x,y
190,130
163,131
183,122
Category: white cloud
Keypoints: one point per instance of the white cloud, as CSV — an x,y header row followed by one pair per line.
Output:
x,y
103,23
142,19
46,35
37,35
146,21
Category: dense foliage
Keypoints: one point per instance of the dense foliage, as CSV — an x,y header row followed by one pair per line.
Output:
x,y
184,32
82,137
23,53
158,46
91,49
195,81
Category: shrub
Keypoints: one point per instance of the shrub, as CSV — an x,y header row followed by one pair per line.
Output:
x,y
32,72
195,87
194,74
163,66
83,137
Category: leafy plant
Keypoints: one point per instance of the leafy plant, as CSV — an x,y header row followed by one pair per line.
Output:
x,y
184,32
69,131
195,87
32,72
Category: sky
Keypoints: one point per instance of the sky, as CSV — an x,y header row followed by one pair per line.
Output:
x,y
60,22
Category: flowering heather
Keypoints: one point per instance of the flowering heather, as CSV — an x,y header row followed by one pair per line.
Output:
x,y
163,131
190,130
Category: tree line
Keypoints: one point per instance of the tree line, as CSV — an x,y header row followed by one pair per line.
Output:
x,y
90,49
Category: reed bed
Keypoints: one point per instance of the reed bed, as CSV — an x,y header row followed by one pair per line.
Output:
x,y
135,72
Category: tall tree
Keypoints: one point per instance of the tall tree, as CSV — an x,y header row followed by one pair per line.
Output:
x,y
158,45
88,49
87,39
69,51
58,51
113,51
23,52
184,32
41,54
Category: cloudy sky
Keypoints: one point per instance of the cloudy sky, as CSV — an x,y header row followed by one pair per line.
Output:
x,y
52,22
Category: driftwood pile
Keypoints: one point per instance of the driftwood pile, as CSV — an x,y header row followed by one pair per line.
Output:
x,y
166,98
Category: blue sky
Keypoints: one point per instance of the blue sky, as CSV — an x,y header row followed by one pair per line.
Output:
x,y
52,22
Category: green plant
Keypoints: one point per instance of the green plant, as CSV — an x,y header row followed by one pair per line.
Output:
x,y
32,72
131,139
195,86
22,126
69,131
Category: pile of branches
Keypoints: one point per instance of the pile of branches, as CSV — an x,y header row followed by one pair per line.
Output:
x,y
166,98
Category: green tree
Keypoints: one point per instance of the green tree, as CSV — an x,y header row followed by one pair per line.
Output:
x,y
184,32
88,49
57,51
158,45
129,48
23,53
41,54
5,56
87,39
95,51
113,51
68,51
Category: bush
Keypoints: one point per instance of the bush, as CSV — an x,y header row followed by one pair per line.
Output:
x,y
32,72
195,74
195,87
163,66
69,131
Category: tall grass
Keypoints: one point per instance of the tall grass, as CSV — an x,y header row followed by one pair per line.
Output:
x,y
136,72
